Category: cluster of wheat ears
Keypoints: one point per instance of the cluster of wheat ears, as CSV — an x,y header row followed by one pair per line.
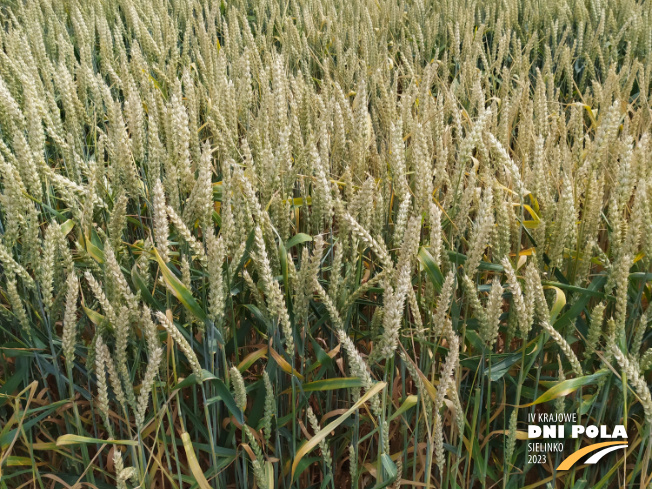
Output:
x,y
322,244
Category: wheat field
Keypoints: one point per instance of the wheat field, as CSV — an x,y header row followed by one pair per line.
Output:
x,y
323,244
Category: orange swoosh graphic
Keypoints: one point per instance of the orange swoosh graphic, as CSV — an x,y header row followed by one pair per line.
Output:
x,y
571,459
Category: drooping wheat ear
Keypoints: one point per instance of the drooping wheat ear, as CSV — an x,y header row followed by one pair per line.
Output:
x,y
275,300
508,163
47,265
395,296
646,360
493,311
65,255
421,155
258,297
302,288
620,273
239,253
385,436
630,369
239,390
17,305
481,233
595,328
511,436
438,436
122,333
328,304
303,285
446,379
161,228
149,330
353,462
560,401
441,324
12,268
98,292
416,314
365,287
181,138
323,445
270,407
118,463
459,410
418,381
399,473
114,377
200,202
186,279
323,198
153,363
565,347
397,162
564,230
154,360
102,388
637,340
216,296
122,473
335,278
257,464
185,347
314,264
524,309
536,295
435,233
118,281
401,221
196,247
502,233
377,247
69,334
118,221
472,297
358,368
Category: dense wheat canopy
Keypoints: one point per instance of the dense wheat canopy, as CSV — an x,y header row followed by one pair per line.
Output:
x,y
387,227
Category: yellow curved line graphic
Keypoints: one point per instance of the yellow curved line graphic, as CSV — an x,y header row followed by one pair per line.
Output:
x,y
569,461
